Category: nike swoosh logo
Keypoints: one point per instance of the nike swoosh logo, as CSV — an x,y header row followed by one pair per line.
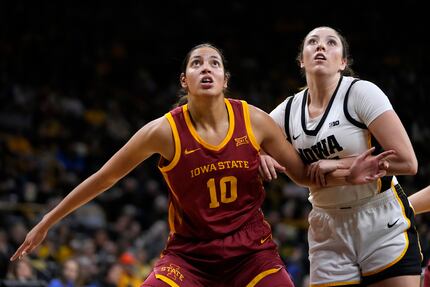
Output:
x,y
265,239
294,138
391,225
188,151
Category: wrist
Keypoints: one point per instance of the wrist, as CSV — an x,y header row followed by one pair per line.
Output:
x,y
349,178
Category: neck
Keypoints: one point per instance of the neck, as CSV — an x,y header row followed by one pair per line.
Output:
x,y
208,112
320,89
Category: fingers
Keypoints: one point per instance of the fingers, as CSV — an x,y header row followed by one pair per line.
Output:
x,y
380,174
273,167
20,252
278,167
371,178
322,179
311,172
264,170
384,165
269,168
366,153
385,154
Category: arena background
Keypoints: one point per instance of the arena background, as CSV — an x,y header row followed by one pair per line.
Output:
x,y
77,79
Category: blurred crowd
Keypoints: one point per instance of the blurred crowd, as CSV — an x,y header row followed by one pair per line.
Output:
x,y
76,82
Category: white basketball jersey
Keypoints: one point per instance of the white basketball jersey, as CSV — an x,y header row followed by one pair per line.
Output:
x,y
341,131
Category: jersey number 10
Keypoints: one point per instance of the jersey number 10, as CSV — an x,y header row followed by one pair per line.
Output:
x,y
223,184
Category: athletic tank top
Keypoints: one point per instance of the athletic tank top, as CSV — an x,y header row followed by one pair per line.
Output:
x,y
332,135
214,190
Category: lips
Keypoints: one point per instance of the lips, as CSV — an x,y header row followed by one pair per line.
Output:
x,y
320,56
206,80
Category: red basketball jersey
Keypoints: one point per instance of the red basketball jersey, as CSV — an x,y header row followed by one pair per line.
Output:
x,y
214,190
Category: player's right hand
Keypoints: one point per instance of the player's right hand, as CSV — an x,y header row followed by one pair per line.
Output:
x,y
32,240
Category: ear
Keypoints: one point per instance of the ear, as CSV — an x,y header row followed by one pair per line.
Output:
x,y
302,65
343,64
183,81
226,79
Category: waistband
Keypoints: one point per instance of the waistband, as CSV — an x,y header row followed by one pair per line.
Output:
x,y
379,199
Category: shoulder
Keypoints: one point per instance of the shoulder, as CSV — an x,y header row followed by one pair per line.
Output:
x,y
365,87
155,137
156,131
260,120
256,112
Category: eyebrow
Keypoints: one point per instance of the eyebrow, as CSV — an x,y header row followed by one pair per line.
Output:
x,y
211,57
329,36
334,37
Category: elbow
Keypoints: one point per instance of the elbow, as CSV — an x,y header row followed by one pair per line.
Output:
x,y
412,167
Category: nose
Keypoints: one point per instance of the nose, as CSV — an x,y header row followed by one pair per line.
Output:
x,y
321,46
206,67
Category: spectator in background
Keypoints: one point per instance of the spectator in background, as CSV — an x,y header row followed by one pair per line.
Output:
x,y
22,272
69,275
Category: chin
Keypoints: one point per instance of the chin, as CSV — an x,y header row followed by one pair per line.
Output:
x,y
210,93
319,71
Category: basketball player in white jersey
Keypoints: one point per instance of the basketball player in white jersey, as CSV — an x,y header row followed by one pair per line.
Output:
x,y
360,235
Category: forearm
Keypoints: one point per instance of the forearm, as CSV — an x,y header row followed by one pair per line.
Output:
x,y
83,193
399,166
338,177
420,200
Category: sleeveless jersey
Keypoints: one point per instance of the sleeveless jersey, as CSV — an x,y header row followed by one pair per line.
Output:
x,y
338,133
214,190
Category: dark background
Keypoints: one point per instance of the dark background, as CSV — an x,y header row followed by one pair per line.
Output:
x,y
77,79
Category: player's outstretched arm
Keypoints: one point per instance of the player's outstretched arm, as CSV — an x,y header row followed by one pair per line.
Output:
x,y
420,200
150,139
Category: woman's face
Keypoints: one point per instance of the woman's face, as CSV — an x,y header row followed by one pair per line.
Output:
x,y
204,73
71,270
322,52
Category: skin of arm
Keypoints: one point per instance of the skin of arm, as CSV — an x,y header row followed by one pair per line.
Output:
x,y
420,200
391,135
142,145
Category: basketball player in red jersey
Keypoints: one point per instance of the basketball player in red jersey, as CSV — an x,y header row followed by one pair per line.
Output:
x,y
209,151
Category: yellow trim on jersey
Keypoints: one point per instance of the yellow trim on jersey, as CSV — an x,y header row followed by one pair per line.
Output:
x,y
199,139
166,280
369,140
336,284
260,276
248,125
378,185
177,141
166,178
171,218
405,233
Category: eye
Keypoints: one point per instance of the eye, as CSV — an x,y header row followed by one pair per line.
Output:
x,y
216,63
195,62
332,42
312,41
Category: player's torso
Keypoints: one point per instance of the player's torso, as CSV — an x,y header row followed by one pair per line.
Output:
x,y
214,189
329,136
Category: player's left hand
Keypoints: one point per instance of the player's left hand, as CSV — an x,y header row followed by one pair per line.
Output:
x,y
367,167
